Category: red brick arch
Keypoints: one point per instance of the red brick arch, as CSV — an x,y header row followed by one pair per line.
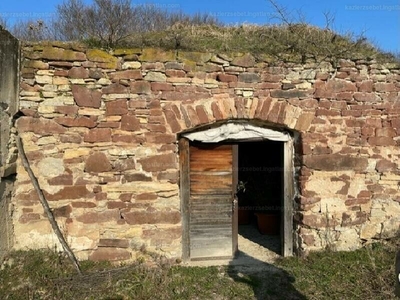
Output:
x,y
186,116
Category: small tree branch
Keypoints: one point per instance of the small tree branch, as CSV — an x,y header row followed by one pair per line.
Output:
x,y
46,206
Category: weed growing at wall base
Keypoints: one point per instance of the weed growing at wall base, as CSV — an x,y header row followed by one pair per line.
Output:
x,y
367,273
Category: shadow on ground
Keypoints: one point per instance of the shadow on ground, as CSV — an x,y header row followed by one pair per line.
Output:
x,y
268,281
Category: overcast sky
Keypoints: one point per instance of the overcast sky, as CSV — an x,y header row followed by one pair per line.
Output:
x,y
379,20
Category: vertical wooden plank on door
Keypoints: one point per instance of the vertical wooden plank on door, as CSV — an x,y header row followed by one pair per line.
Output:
x,y
210,206
235,204
287,247
185,195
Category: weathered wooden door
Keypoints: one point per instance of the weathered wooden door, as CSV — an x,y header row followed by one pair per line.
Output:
x,y
211,207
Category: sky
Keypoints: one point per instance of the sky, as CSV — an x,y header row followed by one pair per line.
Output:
x,y
378,20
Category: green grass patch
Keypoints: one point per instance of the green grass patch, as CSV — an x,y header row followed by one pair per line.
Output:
x,y
297,43
367,273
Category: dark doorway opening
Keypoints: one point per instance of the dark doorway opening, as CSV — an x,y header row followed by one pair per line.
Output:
x,y
260,195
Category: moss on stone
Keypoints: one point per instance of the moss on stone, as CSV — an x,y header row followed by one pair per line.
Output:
x,y
154,55
197,57
98,55
36,64
53,53
127,51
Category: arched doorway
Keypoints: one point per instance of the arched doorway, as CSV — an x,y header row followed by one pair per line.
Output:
x,y
209,181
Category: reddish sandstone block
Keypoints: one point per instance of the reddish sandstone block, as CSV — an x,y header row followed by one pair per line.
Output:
x,y
78,72
76,122
98,135
86,97
39,126
175,73
217,113
130,123
28,217
381,141
366,86
335,162
72,137
158,162
117,107
386,131
137,177
64,179
146,197
97,162
66,110
140,87
227,78
83,204
69,192
172,120
115,88
127,74
63,211
157,138
152,217
115,243
109,254
161,86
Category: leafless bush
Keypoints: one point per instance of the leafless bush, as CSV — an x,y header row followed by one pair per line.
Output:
x,y
111,21
33,30
3,23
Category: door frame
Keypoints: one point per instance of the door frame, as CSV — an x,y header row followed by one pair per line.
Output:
x,y
288,197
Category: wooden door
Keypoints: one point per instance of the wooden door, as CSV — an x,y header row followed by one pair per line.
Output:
x,y
210,206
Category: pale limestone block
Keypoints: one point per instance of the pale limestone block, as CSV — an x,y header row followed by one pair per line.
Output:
x,y
58,80
320,182
51,167
334,206
46,140
104,81
127,151
292,75
77,81
348,240
248,94
140,187
156,76
81,243
49,88
74,153
304,85
178,80
49,94
33,99
391,227
29,94
357,184
131,65
111,97
64,88
44,79
87,111
45,109
370,230
45,72
308,74
28,104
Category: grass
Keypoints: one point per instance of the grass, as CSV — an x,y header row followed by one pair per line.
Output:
x,y
297,43
367,273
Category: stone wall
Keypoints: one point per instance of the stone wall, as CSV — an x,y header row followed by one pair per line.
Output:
x,y
9,78
100,130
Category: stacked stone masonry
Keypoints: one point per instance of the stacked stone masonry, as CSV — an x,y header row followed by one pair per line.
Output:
x,y
100,130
